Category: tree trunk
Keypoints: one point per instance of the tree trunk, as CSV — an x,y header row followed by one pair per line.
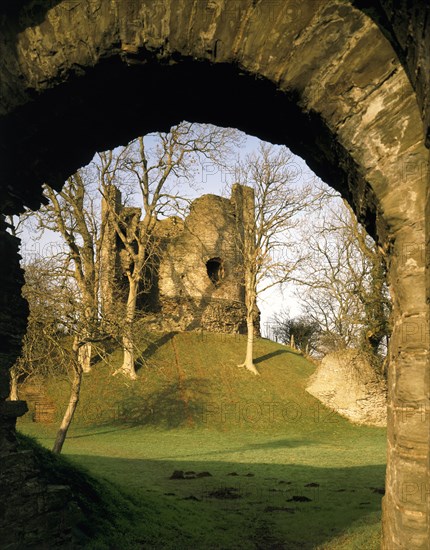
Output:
x,y
127,367
128,364
250,275
249,363
13,394
85,357
73,401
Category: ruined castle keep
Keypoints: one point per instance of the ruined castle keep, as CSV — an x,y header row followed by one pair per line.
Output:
x,y
195,279
344,84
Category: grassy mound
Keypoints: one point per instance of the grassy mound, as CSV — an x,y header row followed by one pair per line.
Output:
x,y
191,379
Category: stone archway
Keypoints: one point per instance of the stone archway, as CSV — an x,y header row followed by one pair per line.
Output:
x,y
330,80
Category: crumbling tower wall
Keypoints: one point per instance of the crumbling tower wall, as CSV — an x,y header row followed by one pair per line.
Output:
x,y
199,280
201,276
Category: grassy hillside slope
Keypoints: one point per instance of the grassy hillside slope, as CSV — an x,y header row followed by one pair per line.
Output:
x,y
189,379
263,464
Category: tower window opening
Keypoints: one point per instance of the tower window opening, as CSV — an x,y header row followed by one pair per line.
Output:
x,y
215,270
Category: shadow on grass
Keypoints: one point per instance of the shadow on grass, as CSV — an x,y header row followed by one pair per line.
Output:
x,y
152,348
168,407
120,428
272,444
270,355
282,444
274,506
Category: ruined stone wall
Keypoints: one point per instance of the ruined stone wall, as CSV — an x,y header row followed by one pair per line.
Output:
x,y
201,272
209,233
13,316
197,276
33,512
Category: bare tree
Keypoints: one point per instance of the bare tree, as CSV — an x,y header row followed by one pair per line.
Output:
x,y
157,172
73,214
53,322
344,282
299,332
155,167
39,356
280,201
73,399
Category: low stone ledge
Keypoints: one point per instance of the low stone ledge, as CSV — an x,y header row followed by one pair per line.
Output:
x,y
13,409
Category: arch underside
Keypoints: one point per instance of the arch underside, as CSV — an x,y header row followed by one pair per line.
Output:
x,y
319,77
294,75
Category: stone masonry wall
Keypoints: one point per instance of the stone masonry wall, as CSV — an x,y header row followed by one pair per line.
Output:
x,y
197,280
33,513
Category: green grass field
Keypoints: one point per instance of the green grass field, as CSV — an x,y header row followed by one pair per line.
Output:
x,y
264,464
